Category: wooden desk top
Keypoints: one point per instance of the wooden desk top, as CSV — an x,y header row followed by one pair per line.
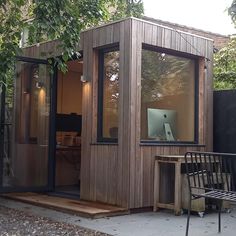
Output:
x,y
170,158
175,159
68,148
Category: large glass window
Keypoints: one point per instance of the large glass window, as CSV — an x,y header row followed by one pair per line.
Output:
x,y
26,159
168,107
108,95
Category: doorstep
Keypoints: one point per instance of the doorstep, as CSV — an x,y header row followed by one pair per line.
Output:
x,y
82,208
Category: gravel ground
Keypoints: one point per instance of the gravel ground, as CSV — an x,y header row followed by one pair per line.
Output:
x,y
18,223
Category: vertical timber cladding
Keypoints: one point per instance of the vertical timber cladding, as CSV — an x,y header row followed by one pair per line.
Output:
x,y
122,174
105,167
141,156
43,50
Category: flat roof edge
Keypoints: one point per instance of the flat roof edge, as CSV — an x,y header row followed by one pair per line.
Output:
x,y
148,22
170,28
107,24
125,19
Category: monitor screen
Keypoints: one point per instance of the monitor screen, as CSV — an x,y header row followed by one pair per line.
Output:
x,y
69,123
161,124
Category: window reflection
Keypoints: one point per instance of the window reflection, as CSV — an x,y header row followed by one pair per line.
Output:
x,y
167,97
110,96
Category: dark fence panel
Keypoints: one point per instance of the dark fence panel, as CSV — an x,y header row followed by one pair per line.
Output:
x,y
224,134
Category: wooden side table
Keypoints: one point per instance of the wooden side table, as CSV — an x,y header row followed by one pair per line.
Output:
x,y
179,201
177,160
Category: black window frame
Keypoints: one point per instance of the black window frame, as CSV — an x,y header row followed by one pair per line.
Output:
x,y
101,53
196,95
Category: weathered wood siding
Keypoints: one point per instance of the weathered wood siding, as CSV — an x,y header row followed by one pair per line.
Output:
x,y
105,167
123,174
43,50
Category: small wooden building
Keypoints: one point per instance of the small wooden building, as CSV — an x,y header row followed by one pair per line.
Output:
x,y
146,90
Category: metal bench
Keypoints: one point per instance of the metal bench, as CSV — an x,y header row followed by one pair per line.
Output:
x,y
210,175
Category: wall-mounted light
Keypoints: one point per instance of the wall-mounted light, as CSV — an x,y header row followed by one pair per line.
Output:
x,y
83,79
39,84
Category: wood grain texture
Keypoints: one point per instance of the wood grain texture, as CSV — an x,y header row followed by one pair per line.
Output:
x,y
168,38
105,168
78,207
124,114
86,167
43,50
201,103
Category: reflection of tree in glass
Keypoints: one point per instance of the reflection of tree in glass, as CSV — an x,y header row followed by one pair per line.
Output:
x,y
163,75
111,80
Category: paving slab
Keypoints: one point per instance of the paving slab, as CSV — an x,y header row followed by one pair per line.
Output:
x,y
163,223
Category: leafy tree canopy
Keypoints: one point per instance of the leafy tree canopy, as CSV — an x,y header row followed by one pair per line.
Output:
x,y
225,60
225,67
55,19
232,11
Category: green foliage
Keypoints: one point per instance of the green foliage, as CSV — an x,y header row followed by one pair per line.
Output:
x,y
124,8
225,67
232,11
225,60
64,19
55,19
10,33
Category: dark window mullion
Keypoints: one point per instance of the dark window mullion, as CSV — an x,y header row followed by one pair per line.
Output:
x,y
100,95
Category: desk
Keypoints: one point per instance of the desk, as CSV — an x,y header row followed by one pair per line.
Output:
x,y
68,148
177,160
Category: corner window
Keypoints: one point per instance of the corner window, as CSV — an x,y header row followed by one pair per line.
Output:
x,y
168,97
108,95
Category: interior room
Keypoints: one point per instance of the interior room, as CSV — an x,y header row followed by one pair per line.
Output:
x,y
68,129
167,95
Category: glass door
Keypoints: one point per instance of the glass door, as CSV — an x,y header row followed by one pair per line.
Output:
x,y
26,148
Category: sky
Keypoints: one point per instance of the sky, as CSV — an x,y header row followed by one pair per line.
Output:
x,y
209,15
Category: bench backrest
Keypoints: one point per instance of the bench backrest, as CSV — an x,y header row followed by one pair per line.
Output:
x,y
206,170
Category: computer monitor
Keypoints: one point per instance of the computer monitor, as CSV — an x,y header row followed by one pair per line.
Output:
x,y
161,124
69,123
